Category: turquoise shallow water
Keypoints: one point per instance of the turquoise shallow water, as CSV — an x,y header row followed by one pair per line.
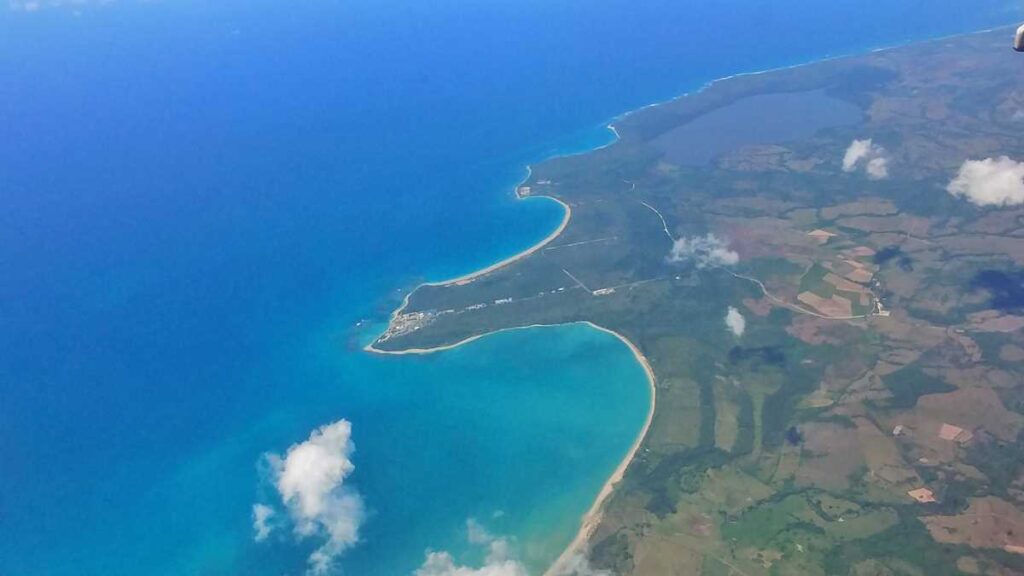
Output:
x,y
200,200
473,432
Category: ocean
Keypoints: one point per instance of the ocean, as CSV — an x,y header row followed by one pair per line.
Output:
x,y
209,206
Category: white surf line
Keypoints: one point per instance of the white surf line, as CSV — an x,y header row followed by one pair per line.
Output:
x,y
581,243
664,225
577,280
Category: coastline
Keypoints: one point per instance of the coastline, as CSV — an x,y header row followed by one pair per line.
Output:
x,y
467,278
593,516
591,519
762,71
617,137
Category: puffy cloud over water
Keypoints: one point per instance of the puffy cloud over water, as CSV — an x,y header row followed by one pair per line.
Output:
x,y
990,182
496,564
499,560
261,515
868,154
310,480
735,321
703,251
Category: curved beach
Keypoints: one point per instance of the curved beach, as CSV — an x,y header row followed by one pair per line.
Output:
x,y
592,517
467,278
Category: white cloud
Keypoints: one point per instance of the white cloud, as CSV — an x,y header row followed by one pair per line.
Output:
x,y
310,479
442,564
499,560
877,168
704,251
578,565
735,321
261,514
990,182
876,165
477,534
857,151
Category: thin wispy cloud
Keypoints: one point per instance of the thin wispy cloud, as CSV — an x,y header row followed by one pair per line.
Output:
x,y
36,5
500,559
261,515
703,251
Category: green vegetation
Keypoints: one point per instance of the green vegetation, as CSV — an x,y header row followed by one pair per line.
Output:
x,y
907,540
767,524
779,440
814,281
909,384
1000,462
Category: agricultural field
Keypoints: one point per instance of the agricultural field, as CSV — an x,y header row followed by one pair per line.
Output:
x,y
865,417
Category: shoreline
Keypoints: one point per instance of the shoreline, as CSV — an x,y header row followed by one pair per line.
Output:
x,y
591,519
471,276
710,83
467,278
617,137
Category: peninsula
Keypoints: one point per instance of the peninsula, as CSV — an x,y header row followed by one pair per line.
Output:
x,y
822,270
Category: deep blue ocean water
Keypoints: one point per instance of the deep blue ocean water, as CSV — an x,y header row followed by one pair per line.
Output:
x,y
199,200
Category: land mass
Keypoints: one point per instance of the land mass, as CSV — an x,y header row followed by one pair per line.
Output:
x,y
834,339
